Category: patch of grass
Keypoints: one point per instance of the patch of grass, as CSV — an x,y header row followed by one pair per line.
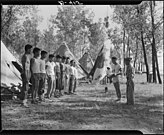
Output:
x,y
91,109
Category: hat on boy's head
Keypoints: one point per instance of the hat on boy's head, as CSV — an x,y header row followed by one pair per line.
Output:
x,y
71,61
51,56
114,58
128,59
64,42
36,49
63,57
28,46
58,56
43,52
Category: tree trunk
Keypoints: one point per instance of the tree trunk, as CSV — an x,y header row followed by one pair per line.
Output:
x,y
138,66
141,67
134,65
145,58
143,44
157,67
153,64
124,51
154,52
153,49
127,49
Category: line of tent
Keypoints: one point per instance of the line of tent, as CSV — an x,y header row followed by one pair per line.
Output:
x,y
11,67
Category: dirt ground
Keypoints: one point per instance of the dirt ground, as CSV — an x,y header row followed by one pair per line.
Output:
x,y
91,109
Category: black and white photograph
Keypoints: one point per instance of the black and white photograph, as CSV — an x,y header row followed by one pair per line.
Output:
x,y
73,66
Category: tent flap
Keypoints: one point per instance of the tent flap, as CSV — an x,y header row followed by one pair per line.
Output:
x,y
9,73
86,62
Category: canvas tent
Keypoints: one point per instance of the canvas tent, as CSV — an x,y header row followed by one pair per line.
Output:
x,y
63,50
86,62
9,73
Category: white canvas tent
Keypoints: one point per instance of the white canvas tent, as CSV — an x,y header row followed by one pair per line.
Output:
x,y
63,50
86,62
9,74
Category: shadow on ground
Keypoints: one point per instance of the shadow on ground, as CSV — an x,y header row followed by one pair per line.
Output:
x,y
90,109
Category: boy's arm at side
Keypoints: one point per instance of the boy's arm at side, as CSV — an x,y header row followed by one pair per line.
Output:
x,y
120,71
24,59
31,64
46,66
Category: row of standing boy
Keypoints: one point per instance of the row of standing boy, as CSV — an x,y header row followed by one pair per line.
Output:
x,y
61,75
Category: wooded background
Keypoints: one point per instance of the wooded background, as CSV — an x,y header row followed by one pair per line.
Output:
x,y
140,35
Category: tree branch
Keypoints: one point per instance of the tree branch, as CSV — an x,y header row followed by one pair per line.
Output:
x,y
158,24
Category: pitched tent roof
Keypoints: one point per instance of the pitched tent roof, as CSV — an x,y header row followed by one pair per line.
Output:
x,y
63,50
9,73
86,62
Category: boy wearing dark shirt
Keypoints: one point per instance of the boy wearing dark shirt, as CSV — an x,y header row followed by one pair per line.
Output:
x,y
26,73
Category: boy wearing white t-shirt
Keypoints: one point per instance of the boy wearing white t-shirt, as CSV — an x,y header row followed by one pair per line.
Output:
x,y
35,74
58,76
50,70
67,75
71,79
75,77
42,82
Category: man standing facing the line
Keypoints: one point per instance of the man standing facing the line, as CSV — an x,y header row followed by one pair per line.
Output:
x,y
26,73
116,70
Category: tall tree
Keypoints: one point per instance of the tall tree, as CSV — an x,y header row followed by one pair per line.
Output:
x,y
12,30
154,52
10,15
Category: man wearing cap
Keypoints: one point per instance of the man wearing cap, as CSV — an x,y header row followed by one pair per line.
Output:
x,y
116,70
50,70
130,83
26,74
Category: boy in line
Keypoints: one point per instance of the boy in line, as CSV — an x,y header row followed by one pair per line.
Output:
x,y
42,76
75,76
108,77
51,80
35,72
58,76
66,85
71,80
63,72
26,74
